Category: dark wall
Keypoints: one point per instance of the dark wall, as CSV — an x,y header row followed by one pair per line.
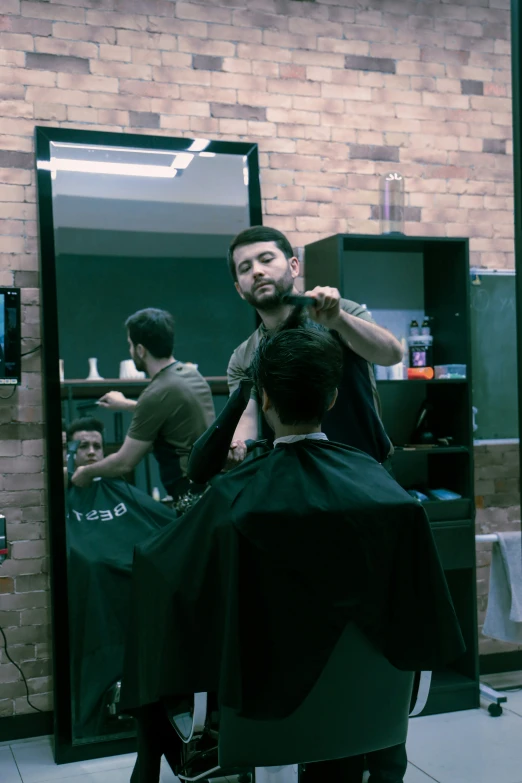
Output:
x,y
97,294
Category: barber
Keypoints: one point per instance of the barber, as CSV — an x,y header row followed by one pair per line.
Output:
x,y
265,268
170,414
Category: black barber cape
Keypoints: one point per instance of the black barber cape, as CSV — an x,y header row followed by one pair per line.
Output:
x,y
247,594
105,522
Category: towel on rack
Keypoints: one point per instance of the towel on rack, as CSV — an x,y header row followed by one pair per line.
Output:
x,y
504,612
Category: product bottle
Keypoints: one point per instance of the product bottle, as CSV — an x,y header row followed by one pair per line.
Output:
x,y
425,328
414,328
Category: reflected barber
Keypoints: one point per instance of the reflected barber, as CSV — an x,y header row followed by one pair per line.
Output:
x,y
170,414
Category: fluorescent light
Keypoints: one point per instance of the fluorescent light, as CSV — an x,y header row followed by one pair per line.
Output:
x,y
104,167
198,145
207,154
175,160
100,148
245,175
182,160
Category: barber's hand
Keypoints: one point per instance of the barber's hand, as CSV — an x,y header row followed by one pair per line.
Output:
x,y
114,401
81,478
236,454
327,310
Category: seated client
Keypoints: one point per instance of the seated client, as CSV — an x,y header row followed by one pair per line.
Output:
x,y
255,584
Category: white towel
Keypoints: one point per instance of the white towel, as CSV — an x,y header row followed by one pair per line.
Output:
x,y
504,612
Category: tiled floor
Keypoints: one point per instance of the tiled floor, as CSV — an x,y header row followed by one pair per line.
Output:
x,y
458,747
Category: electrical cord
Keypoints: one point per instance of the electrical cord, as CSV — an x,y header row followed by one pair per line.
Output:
x,y
8,396
21,672
33,350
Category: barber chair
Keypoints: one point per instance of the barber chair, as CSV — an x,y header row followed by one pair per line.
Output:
x,y
361,703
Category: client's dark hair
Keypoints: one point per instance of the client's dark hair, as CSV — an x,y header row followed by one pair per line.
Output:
x,y
258,234
86,424
299,367
154,329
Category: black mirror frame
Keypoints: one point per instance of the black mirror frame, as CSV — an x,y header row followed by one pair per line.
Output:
x,y
64,750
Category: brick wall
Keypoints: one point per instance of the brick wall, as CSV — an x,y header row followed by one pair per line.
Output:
x,y
335,92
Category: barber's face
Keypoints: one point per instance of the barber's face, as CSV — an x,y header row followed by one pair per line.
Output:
x,y
90,447
264,274
136,358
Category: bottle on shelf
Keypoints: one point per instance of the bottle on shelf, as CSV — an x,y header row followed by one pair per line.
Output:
x,y
414,328
425,326
392,203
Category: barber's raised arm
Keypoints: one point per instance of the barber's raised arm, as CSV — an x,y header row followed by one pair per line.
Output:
x,y
247,429
357,329
115,465
116,401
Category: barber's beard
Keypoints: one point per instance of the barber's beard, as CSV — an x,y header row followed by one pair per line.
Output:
x,y
266,303
138,363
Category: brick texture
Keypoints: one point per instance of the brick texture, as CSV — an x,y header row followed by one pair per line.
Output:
x,y
333,93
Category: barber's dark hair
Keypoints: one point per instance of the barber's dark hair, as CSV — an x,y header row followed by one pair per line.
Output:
x,y
258,234
86,424
299,367
154,329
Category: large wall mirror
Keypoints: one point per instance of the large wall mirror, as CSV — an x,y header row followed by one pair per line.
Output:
x,y
126,222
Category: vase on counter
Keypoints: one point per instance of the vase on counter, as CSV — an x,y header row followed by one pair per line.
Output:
x,y
94,375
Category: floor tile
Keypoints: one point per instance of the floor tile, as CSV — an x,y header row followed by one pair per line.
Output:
x,y
167,775
36,763
414,775
8,769
460,747
101,776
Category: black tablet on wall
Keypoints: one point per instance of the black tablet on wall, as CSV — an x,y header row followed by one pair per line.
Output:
x,y
10,351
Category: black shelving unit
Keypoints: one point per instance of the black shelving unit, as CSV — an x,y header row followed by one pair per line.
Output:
x,y
398,273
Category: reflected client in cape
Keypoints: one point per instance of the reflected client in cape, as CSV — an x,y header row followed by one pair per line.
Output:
x,y
104,523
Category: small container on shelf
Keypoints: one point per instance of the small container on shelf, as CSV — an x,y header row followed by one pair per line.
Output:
x,y
420,350
420,373
450,371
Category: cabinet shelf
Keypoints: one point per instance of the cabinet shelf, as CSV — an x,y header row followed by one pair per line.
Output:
x,y
81,388
435,450
444,510
416,381
451,691
403,279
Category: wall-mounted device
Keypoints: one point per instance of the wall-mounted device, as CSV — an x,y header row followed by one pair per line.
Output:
x,y
3,539
10,338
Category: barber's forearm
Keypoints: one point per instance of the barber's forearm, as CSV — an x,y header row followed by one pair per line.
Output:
x,y
368,340
247,429
109,467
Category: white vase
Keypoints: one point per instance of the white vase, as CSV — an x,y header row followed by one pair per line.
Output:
x,y
94,375
128,371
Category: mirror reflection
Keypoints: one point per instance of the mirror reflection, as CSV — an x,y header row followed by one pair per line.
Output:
x,y
141,238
